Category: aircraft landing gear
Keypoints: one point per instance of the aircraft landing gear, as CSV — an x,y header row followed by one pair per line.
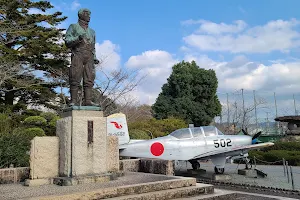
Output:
x,y
195,164
219,170
248,163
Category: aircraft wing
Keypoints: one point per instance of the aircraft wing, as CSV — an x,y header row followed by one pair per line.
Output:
x,y
124,146
234,151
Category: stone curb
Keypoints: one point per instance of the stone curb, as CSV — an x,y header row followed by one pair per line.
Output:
x,y
249,186
126,190
192,191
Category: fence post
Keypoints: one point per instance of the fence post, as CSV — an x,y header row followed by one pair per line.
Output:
x,y
254,162
292,178
287,170
283,160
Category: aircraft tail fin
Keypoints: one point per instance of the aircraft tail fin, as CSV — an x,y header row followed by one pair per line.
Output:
x,y
117,126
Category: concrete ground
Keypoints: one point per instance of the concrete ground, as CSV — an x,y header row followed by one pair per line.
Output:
x,y
220,194
275,178
18,191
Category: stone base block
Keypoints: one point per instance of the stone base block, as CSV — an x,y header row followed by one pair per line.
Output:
x,y
155,166
95,178
38,182
196,171
130,165
14,175
44,156
248,172
221,177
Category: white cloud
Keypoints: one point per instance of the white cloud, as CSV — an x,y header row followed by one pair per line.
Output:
x,y
157,66
279,75
75,5
108,53
232,75
241,73
278,35
214,28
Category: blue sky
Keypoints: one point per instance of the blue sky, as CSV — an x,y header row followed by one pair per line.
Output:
x,y
250,44
139,25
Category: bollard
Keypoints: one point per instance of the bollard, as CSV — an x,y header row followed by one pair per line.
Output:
x,y
292,178
287,170
283,160
254,162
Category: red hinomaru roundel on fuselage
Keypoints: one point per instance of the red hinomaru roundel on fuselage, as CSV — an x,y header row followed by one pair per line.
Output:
x,y
157,149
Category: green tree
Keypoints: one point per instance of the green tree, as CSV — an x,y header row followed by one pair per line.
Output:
x,y
154,127
190,94
30,41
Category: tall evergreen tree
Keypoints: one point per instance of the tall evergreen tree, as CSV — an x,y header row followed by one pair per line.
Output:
x,y
30,44
190,94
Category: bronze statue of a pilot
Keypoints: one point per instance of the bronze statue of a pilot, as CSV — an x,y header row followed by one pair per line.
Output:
x,y
81,40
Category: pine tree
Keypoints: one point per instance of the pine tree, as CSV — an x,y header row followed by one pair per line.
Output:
x,y
30,45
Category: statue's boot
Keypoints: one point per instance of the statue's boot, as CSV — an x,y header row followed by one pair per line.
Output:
x,y
74,95
88,97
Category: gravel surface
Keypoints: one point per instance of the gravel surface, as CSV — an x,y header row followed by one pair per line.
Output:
x,y
274,179
17,191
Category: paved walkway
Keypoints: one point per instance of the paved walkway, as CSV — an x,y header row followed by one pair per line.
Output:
x,y
18,191
275,176
234,195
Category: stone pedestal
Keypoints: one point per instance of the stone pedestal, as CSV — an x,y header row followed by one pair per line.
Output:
x,y
82,152
85,148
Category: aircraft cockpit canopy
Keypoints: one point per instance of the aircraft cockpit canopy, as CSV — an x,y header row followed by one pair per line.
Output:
x,y
211,131
186,133
183,133
197,132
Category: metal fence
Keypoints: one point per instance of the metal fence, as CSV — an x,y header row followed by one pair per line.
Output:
x,y
256,109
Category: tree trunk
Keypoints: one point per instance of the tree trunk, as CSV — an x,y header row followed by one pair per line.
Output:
x,y
9,98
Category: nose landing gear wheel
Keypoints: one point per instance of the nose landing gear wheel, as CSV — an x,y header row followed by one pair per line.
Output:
x,y
219,170
195,164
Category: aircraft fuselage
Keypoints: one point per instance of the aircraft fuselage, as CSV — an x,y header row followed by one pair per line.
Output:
x,y
171,148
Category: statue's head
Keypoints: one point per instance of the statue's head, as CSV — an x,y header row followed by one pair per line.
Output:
x,y
84,14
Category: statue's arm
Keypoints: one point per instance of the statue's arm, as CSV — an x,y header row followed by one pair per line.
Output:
x,y
96,61
70,39
94,50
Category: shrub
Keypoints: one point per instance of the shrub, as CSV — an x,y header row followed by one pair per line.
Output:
x,y
30,133
18,131
158,127
139,134
288,150
50,129
14,150
32,112
48,116
53,121
5,123
289,146
35,121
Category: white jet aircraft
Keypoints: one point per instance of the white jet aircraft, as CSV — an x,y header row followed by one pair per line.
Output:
x,y
186,144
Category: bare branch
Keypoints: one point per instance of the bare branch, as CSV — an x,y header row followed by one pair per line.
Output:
x,y
115,84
